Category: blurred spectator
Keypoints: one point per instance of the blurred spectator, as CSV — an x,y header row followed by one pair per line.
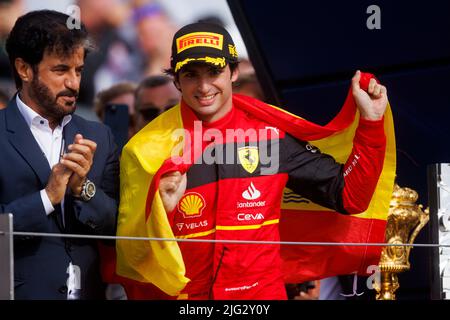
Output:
x,y
4,98
309,290
247,83
154,34
120,93
114,59
10,10
154,95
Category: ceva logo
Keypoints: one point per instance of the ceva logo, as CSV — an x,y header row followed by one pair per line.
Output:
x,y
250,216
251,193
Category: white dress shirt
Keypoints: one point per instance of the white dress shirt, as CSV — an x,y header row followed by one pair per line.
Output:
x,y
51,142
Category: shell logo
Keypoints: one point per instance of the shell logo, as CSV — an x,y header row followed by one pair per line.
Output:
x,y
191,205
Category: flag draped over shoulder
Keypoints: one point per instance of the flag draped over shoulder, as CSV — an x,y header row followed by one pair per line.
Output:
x,y
141,214
304,221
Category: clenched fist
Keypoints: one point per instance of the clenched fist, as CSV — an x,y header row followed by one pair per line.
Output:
x,y
371,104
171,188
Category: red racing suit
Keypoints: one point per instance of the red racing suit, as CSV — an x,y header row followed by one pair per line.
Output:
x,y
238,196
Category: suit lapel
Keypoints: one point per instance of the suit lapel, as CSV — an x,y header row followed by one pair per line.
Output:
x,y
21,138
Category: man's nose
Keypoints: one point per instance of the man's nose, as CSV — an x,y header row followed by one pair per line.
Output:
x,y
72,81
203,85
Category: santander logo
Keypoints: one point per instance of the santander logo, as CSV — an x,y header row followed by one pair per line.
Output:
x,y
251,193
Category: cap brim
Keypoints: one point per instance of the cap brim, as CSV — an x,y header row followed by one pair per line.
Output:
x,y
220,62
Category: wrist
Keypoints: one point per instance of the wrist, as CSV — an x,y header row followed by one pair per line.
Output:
x,y
88,191
370,116
76,190
50,196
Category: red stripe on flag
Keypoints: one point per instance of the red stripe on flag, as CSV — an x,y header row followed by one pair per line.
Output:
x,y
305,263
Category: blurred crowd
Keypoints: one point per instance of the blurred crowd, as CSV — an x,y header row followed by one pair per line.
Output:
x,y
132,41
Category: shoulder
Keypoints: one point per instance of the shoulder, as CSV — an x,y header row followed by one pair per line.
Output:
x,y
91,129
2,120
82,123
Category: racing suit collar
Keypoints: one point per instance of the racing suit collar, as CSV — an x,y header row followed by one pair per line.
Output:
x,y
189,117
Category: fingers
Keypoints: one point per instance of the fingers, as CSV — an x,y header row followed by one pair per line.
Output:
x,y
171,174
383,91
61,173
80,157
355,81
375,89
171,181
75,167
81,149
86,142
372,84
77,163
172,186
57,183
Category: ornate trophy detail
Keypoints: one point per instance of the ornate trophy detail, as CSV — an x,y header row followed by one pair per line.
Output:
x,y
405,220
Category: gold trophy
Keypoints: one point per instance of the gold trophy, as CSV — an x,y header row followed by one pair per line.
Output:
x,y
404,222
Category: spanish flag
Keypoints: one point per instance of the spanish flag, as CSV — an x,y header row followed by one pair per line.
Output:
x,y
147,156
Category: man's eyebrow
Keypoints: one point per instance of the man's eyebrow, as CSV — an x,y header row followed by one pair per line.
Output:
x,y
188,69
60,66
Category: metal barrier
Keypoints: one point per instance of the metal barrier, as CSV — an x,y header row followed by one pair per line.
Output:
x,y
6,257
439,190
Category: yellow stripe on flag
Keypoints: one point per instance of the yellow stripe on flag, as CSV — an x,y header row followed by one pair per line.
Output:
x,y
157,262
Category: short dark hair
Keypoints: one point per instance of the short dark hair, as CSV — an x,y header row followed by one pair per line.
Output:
x,y
154,81
43,31
171,72
105,96
150,82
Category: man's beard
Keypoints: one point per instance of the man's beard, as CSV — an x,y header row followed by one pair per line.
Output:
x,y
48,102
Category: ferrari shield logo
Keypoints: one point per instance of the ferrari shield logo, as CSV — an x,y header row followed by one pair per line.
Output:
x,y
249,158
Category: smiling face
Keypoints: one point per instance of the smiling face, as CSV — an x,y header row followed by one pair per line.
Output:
x,y
207,90
51,88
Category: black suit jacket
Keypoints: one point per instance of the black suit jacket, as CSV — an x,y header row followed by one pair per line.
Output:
x,y
40,263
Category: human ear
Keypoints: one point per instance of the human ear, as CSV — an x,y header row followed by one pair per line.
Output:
x,y
234,75
24,70
176,83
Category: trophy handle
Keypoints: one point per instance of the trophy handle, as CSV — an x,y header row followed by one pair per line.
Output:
x,y
424,217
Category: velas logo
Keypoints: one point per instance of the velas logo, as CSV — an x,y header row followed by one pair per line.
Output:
x,y
249,158
191,205
200,39
192,225
251,193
